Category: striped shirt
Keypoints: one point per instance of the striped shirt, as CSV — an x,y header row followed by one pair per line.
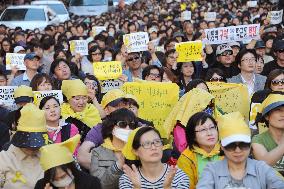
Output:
x,y
180,181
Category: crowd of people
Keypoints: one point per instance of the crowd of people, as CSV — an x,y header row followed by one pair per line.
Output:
x,y
96,139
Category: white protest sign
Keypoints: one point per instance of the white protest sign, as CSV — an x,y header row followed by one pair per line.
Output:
x,y
98,29
233,33
108,85
136,42
186,15
7,95
15,59
210,16
79,46
275,17
252,3
38,95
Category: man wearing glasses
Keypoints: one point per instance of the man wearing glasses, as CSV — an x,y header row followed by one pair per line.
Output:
x,y
278,63
134,62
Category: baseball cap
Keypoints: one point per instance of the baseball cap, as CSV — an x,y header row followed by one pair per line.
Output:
x,y
278,45
18,49
31,56
259,44
222,48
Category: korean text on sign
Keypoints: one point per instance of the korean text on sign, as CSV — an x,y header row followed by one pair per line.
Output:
x,y
107,70
7,95
79,46
136,42
210,16
232,33
189,51
15,59
110,84
275,17
155,100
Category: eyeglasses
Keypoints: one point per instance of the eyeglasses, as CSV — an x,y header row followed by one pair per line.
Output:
x,y
277,82
234,145
249,60
148,144
154,75
225,53
216,79
280,50
124,124
212,128
133,58
96,54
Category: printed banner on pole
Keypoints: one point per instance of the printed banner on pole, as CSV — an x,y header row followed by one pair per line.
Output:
x,y
233,33
38,95
97,30
275,17
136,42
7,95
189,51
79,46
15,59
252,3
107,85
107,70
231,97
155,100
186,15
210,16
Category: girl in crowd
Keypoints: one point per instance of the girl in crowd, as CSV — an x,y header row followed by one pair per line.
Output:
x,y
107,159
76,110
168,76
58,130
152,73
60,170
268,146
94,88
203,146
144,149
41,82
237,170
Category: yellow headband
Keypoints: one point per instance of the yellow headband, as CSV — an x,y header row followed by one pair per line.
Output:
x,y
57,154
74,87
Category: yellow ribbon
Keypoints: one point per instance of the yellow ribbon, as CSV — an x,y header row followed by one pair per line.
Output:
x,y
215,151
108,145
19,177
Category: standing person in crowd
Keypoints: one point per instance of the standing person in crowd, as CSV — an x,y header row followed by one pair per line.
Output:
x,y
278,63
58,130
203,146
143,152
76,110
107,159
134,62
60,170
267,146
19,165
246,60
41,82
95,54
112,100
237,170
31,61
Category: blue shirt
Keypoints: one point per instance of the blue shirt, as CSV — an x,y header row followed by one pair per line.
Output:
x,y
21,80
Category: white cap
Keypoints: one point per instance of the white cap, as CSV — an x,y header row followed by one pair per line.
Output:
x,y
18,49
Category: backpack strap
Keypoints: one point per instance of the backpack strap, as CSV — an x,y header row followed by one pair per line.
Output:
x,y
65,132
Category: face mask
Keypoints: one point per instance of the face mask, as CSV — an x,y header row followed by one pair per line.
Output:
x,y
66,181
111,34
121,134
107,59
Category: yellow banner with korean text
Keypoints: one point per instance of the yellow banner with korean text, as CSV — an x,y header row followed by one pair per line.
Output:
x,y
155,99
107,70
189,51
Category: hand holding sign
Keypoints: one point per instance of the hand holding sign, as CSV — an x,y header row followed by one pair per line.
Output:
x,y
136,42
15,60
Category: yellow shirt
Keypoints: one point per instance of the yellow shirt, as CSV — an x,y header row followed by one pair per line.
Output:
x,y
17,170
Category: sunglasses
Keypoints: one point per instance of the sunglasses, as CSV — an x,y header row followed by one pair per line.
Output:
x,y
280,50
124,124
225,53
234,145
277,82
216,79
134,58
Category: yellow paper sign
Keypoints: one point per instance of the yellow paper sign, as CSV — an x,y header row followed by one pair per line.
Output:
x,y
182,6
231,97
189,51
155,99
107,70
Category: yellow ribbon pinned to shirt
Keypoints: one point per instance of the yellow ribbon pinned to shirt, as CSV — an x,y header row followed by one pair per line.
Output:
x,y
19,177
108,145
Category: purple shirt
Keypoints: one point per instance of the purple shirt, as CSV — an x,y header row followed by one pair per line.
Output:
x,y
95,135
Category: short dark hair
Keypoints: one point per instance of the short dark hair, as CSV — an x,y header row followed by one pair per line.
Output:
x,y
111,120
45,99
243,52
98,92
146,71
94,49
38,79
195,120
56,62
193,84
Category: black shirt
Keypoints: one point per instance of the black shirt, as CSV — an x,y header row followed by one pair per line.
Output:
x,y
268,67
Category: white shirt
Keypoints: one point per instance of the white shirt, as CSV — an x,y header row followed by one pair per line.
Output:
x,y
250,85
